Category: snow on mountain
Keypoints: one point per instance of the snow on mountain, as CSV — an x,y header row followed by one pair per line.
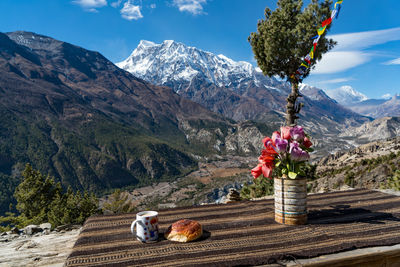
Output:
x,y
174,61
346,95
312,92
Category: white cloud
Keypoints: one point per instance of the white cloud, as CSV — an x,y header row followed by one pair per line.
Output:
x,y
192,6
349,51
90,5
340,61
152,6
362,40
116,4
337,80
386,96
393,62
131,12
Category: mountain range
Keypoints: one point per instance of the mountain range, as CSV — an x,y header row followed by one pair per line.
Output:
x,y
358,102
76,116
237,90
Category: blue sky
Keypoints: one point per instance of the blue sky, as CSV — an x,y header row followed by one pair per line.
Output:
x,y
367,57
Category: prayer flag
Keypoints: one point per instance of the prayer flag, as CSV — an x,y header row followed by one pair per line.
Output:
x,y
326,22
338,3
338,10
321,30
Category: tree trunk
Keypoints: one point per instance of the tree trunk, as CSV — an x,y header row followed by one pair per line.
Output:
x,y
291,108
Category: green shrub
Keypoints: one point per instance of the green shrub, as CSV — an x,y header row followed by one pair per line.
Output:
x,y
118,203
261,187
392,182
349,179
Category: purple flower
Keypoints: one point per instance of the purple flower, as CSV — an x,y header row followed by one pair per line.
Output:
x,y
297,133
297,154
281,144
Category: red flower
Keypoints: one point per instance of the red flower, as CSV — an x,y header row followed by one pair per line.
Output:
x,y
307,143
266,162
267,170
256,171
267,140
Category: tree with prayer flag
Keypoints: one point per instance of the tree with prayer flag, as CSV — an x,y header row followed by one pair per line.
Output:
x,y
283,40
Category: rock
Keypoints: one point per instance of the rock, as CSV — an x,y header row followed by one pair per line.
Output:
x,y
3,234
45,226
32,229
233,196
46,231
15,230
67,227
44,250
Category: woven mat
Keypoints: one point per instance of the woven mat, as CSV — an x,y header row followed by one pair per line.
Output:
x,y
245,233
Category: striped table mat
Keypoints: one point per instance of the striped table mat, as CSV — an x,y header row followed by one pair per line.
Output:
x,y
244,233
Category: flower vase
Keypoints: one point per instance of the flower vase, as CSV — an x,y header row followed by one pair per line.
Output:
x,y
290,200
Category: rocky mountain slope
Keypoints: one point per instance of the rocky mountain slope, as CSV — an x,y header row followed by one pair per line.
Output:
x,y
368,166
382,128
236,89
73,114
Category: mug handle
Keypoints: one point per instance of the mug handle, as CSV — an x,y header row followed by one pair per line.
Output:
x,y
133,225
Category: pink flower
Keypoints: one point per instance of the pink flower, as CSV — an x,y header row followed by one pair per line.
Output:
x,y
298,154
297,133
307,143
281,145
275,135
285,132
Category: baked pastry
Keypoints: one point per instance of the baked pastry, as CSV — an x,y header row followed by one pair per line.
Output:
x,y
184,231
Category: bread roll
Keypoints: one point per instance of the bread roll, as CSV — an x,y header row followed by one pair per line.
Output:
x,y
184,231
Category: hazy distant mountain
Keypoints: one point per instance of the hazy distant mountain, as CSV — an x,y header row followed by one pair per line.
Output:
x,y
378,108
346,95
382,128
358,102
234,89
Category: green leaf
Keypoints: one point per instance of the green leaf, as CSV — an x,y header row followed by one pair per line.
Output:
x,y
277,164
292,175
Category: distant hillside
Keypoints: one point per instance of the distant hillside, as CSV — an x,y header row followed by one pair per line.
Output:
x,y
382,128
370,166
74,115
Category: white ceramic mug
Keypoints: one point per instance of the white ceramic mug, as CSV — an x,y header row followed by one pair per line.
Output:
x,y
146,226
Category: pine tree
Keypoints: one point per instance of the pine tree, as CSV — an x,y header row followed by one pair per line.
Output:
x,y
284,37
35,194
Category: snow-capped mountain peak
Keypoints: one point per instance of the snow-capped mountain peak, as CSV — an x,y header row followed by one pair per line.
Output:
x,y
346,95
145,43
174,61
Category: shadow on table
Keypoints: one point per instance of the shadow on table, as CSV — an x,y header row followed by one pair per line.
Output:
x,y
346,214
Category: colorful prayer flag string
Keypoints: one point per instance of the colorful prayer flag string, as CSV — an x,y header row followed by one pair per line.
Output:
x,y
298,76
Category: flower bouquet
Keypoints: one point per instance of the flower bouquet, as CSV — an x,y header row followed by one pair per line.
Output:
x,y
285,157
286,154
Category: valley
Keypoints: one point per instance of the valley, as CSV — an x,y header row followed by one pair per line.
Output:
x,y
181,136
